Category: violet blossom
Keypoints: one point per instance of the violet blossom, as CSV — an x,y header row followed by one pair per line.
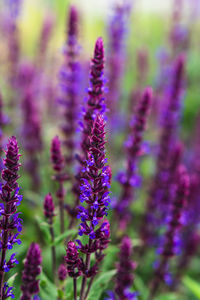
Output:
x,y
157,202
117,32
32,139
129,178
10,222
57,160
169,247
125,269
32,268
69,81
95,104
49,214
94,192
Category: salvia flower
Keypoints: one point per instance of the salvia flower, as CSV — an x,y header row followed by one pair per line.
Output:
x,y
10,222
69,82
62,272
32,136
57,160
129,178
95,104
95,101
49,214
32,268
157,204
125,269
95,183
117,30
48,206
44,40
169,248
94,194
72,260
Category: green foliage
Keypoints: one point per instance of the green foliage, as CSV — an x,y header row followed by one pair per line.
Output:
x,y
47,288
192,285
100,285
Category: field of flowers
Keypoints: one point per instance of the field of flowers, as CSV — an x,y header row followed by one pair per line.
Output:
x,y
99,151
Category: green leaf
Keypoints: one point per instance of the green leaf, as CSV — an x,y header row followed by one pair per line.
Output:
x,y
168,296
192,285
140,287
63,236
100,285
12,279
47,289
44,227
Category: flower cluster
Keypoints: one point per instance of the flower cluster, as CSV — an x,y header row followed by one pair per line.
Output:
x,y
129,178
62,272
171,237
125,269
32,138
69,82
72,260
95,101
95,104
95,184
10,222
57,160
117,31
158,203
48,207
32,268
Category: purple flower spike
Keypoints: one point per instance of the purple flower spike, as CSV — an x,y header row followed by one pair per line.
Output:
x,y
48,206
56,155
125,271
60,176
158,203
72,24
32,138
133,150
95,102
70,86
94,192
169,248
95,105
10,223
62,272
117,30
72,260
44,39
95,184
32,268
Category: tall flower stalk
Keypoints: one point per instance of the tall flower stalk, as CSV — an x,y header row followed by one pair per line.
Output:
x,y
95,182
95,104
57,160
174,224
49,214
32,137
10,222
73,264
156,203
32,268
125,269
129,178
70,82
117,31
